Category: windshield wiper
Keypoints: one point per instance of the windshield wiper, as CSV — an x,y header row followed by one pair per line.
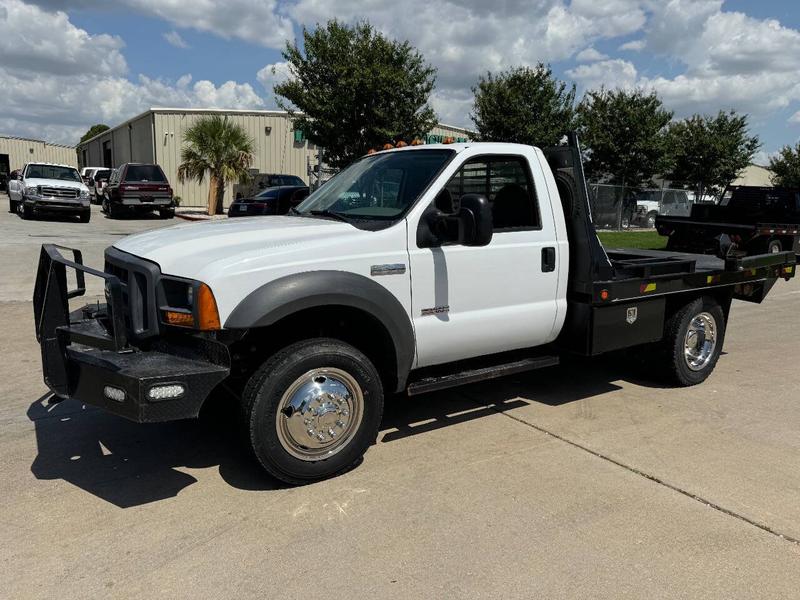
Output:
x,y
329,213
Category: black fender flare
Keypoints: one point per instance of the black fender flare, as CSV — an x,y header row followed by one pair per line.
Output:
x,y
287,295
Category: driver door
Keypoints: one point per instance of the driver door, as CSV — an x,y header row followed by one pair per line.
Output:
x,y
474,301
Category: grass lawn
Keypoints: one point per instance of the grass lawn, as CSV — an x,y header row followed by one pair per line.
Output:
x,y
648,240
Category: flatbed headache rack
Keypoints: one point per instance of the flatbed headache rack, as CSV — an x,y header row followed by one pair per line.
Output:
x,y
611,287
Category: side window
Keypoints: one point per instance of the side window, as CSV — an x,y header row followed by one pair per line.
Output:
x,y
507,183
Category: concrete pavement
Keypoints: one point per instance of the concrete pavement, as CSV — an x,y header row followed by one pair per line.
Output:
x,y
582,481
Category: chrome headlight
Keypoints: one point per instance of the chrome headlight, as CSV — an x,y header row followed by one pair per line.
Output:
x,y
31,190
84,193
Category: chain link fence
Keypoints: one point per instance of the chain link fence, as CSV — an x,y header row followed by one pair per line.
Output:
x,y
617,207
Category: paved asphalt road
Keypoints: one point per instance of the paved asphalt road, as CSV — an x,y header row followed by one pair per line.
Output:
x,y
582,481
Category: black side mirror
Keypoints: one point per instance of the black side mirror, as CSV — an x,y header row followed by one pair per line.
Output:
x,y
475,215
467,221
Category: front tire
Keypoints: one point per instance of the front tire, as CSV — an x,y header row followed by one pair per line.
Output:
x,y
693,341
86,216
27,212
312,410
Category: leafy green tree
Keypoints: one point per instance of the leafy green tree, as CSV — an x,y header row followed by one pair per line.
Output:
x,y
356,89
785,167
707,153
93,131
219,147
523,105
625,135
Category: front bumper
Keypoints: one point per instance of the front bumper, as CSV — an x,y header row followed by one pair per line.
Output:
x,y
57,205
86,355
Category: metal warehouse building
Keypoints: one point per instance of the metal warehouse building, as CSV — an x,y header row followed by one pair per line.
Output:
x,y
15,152
157,136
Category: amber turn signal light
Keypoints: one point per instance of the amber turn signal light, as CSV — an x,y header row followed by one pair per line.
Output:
x,y
207,313
181,319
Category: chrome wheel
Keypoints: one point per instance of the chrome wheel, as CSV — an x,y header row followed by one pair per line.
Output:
x,y
700,341
319,414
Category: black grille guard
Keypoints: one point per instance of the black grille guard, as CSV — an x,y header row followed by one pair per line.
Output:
x,y
51,301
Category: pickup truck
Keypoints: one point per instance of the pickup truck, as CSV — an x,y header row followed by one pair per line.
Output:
x,y
756,219
412,270
49,188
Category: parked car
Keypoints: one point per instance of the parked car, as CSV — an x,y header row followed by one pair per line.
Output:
x,y
13,175
653,202
272,201
97,184
88,172
310,319
136,188
49,188
262,181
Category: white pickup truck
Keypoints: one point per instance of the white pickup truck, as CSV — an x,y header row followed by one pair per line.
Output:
x,y
412,270
49,188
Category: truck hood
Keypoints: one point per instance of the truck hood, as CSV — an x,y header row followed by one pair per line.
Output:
x,y
55,183
215,247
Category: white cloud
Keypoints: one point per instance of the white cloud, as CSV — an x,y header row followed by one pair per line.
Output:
x,y
613,73
633,45
256,21
174,38
795,118
590,55
467,38
34,40
271,75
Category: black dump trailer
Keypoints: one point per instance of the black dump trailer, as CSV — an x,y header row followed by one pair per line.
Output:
x,y
757,220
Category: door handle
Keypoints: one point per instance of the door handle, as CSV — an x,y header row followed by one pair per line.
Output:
x,y
548,259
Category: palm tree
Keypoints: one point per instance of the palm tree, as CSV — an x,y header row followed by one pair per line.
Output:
x,y
219,147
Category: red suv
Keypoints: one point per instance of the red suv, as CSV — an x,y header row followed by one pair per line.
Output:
x,y
138,188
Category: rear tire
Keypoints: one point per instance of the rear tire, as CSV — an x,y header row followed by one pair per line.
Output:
x,y
166,214
774,247
693,341
312,410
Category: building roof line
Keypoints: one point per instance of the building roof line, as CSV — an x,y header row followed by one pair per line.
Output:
x,y
240,111
26,139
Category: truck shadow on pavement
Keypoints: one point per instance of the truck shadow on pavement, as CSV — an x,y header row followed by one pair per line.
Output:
x,y
129,464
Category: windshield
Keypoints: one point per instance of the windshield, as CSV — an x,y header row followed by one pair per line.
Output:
x,y
379,187
52,172
144,173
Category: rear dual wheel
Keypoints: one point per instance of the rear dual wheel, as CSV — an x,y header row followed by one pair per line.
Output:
x,y
312,410
693,341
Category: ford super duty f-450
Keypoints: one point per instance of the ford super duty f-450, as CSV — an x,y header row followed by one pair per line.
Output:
x,y
412,270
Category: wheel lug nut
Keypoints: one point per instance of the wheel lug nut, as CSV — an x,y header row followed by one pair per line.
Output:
x,y
310,432
331,432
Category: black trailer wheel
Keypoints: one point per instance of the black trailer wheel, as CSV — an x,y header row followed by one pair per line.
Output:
x,y
774,246
693,341
312,410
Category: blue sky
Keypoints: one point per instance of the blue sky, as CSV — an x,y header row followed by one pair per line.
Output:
x,y
103,62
